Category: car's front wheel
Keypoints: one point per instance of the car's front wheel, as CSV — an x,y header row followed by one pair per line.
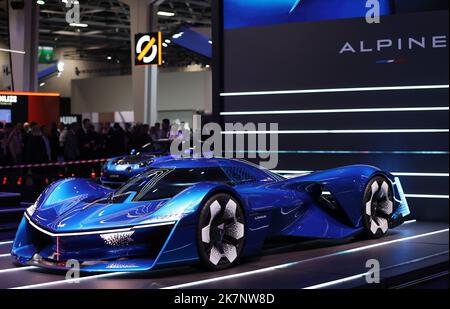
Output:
x,y
378,207
221,232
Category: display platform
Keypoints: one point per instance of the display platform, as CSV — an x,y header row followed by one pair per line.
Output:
x,y
415,254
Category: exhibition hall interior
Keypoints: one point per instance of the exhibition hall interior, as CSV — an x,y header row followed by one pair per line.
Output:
x,y
224,144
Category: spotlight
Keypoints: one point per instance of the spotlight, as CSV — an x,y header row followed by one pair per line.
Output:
x,y
60,66
78,25
167,14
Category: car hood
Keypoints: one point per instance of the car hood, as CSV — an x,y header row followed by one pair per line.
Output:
x,y
78,215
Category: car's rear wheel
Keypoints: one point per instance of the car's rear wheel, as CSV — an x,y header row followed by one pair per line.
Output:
x,y
378,207
221,232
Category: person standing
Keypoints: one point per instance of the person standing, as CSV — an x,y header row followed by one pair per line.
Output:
x,y
36,146
165,134
71,150
15,145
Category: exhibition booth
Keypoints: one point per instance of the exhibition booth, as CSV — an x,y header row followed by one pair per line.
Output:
x,y
270,144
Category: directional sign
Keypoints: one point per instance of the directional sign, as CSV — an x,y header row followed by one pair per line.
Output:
x,y
148,49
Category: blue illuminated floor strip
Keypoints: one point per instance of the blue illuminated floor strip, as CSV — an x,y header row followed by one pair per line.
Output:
x,y
363,275
287,265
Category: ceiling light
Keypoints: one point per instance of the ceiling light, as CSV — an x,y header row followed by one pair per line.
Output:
x,y
178,35
40,2
109,57
167,14
42,85
78,25
168,41
210,42
165,45
60,66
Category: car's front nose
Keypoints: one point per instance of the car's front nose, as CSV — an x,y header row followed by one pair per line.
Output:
x,y
95,250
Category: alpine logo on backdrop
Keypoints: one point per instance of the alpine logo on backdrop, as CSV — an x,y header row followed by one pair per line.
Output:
x,y
409,43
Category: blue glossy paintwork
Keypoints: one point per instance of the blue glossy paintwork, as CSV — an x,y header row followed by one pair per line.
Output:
x,y
273,206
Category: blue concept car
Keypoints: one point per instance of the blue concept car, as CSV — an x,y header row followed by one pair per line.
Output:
x,y
119,170
207,211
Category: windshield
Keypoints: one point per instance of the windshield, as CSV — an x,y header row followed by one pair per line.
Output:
x,y
158,184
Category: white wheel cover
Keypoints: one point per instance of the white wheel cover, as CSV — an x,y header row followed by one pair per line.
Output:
x,y
377,223
236,231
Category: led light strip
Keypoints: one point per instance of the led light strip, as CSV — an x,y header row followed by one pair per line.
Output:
x,y
336,111
362,275
282,266
10,270
421,174
331,90
430,196
5,255
375,131
6,242
13,51
401,174
96,232
74,280
364,152
410,222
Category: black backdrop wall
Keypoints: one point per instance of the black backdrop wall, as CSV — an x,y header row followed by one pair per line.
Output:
x,y
261,74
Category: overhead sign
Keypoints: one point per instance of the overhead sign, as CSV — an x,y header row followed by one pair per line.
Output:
x,y
46,54
148,49
69,119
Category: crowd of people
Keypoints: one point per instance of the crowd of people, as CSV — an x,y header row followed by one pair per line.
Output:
x,y
31,143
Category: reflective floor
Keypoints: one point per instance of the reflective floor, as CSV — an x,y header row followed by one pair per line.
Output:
x,y
308,264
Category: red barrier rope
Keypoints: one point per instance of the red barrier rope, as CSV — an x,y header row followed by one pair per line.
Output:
x,y
53,164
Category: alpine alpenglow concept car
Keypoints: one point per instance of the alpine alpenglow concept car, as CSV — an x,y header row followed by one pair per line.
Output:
x,y
207,211
119,170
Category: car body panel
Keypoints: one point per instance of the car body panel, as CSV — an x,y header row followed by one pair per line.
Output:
x,y
77,219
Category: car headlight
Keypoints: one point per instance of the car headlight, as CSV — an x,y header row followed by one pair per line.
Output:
x,y
32,209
